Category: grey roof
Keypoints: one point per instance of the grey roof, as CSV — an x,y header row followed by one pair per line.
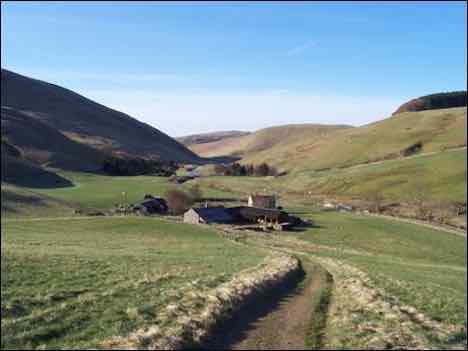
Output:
x,y
154,201
215,214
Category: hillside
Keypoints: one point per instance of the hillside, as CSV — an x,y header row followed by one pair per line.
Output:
x,y
209,137
81,120
42,144
264,139
434,101
425,131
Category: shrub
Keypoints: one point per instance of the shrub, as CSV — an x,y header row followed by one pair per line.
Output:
x,y
178,201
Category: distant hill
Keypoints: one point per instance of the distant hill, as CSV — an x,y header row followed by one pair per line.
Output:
x,y
425,131
209,137
264,139
71,127
316,147
434,102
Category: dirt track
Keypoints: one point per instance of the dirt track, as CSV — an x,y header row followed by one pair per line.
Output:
x,y
279,321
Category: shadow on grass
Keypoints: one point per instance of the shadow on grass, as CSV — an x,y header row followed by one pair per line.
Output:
x,y
304,226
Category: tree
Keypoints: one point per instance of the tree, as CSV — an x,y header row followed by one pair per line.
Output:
x,y
262,170
178,201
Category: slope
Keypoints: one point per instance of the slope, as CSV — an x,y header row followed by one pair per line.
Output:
x,y
424,131
265,139
39,143
86,121
209,137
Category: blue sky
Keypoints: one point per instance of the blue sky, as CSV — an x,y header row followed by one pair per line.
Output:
x,y
188,68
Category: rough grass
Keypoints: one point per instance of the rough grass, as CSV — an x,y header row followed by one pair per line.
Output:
x,y
316,331
74,283
425,268
435,129
20,202
441,177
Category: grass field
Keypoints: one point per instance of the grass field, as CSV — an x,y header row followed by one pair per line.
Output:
x,y
76,282
88,191
423,267
441,176
73,283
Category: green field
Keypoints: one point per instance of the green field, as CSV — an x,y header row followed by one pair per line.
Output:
x,y
441,176
430,264
88,191
74,283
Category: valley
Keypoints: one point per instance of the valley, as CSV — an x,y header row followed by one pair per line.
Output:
x,y
76,273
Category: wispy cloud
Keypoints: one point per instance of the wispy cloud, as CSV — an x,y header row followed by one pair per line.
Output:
x,y
297,50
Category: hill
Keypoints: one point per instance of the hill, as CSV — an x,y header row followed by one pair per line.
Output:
x,y
81,120
209,137
37,142
264,139
434,101
399,135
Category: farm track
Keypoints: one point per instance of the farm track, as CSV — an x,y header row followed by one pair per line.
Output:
x,y
278,321
402,158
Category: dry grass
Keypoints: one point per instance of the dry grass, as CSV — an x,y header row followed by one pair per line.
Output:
x,y
189,321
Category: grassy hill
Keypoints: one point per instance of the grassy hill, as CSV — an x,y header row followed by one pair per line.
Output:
x,y
316,147
442,175
82,120
435,130
209,137
264,140
44,145
21,202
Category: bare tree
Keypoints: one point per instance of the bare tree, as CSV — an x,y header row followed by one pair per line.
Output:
x,y
178,201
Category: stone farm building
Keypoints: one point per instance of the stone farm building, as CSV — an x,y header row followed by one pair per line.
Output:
x,y
262,201
239,215
209,215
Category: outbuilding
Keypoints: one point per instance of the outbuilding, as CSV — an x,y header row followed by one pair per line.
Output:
x,y
209,215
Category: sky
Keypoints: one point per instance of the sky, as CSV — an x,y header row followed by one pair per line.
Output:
x,y
198,67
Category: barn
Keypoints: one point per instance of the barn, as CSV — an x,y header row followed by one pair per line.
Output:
x,y
241,215
209,215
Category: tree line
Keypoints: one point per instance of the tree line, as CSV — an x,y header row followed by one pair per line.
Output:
x,y
131,166
236,169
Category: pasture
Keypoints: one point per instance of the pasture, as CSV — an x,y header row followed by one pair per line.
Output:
x,y
440,177
74,283
423,267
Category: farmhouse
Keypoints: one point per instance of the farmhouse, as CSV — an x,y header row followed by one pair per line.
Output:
x,y
262,201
